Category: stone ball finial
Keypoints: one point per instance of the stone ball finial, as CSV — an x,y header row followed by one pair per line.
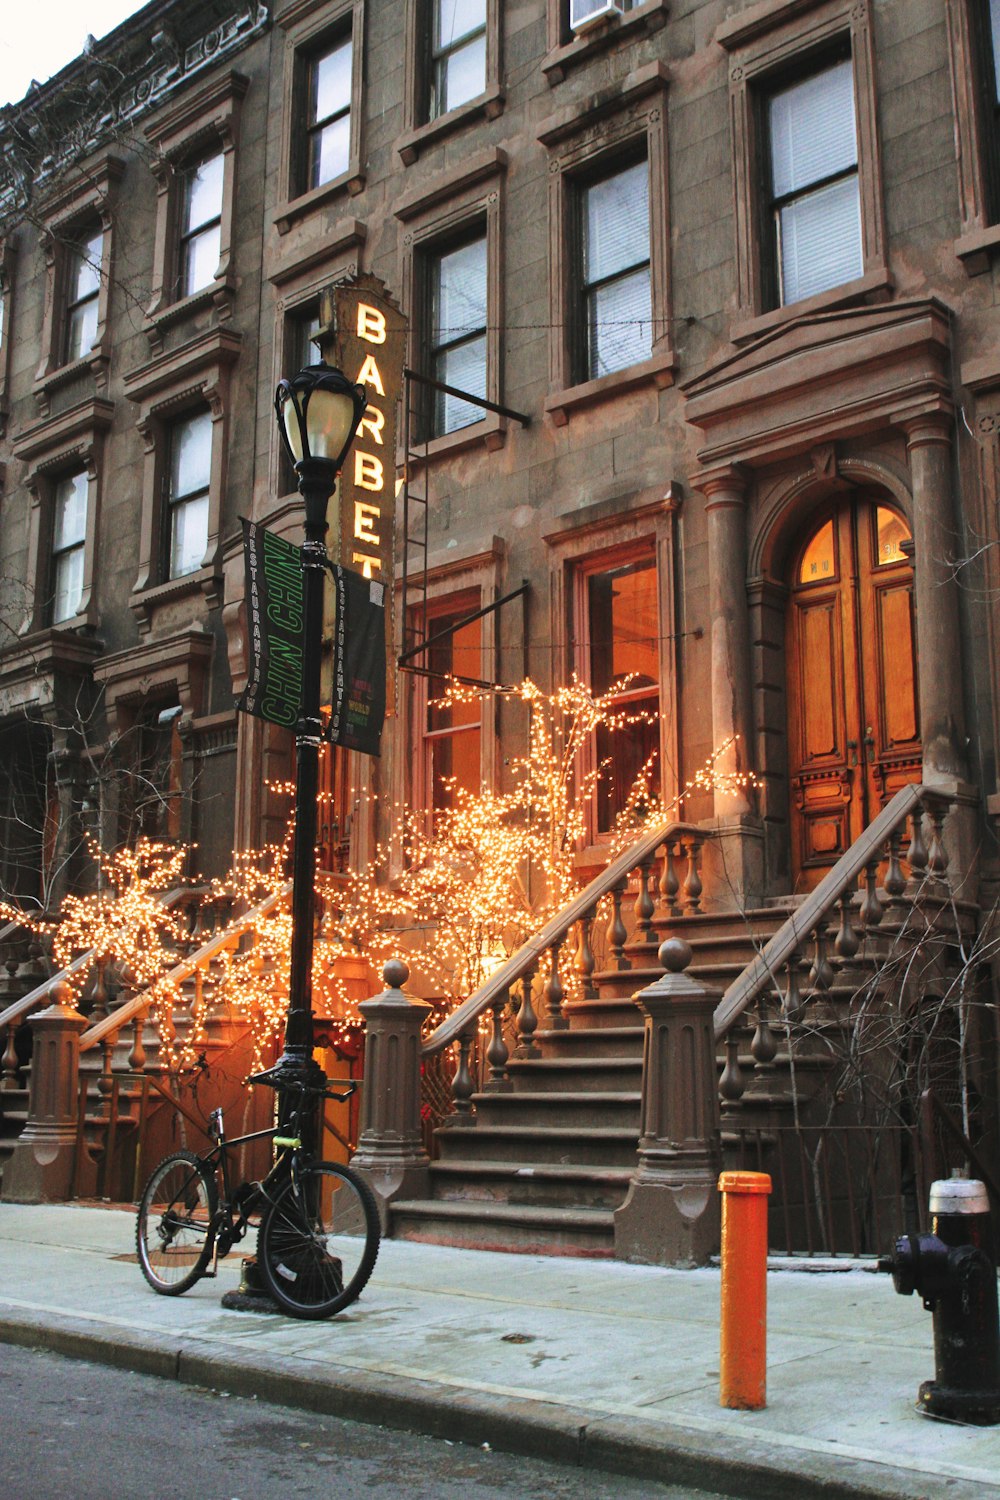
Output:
x,y
395,973
62,995
675,955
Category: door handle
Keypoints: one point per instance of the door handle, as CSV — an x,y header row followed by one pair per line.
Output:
x,y
870,742
852,745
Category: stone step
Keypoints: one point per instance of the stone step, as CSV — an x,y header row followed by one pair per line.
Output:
x,y
496,1226
591,1041
592,1074
596,1145
554,1185
560,1110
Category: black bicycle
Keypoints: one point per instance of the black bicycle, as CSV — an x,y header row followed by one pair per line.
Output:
x,y
318,1234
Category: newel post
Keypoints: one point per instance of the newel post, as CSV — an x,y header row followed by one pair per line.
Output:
x,y
390,1148
41,1167
671,1214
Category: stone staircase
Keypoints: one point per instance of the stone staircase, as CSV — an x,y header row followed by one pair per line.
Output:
x,y
546,1160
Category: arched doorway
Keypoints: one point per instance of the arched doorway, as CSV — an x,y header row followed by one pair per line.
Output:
x,y
853,721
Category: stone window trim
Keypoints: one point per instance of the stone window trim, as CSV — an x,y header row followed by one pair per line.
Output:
x,y
55,449
7,261
979,240
82,205
198,126
419,132
475,570
763,44
604,533
307,25
448,207
567,52
194,377
177,664
981,379
298,279
584,141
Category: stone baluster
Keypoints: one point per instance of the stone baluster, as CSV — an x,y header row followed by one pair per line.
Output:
x,y
847,941
763,1046
692,879
105,1082
669,884
584,962
820,972
671,1213
793,1002
99,994
137,1056
390,1150
916,854
527,1021
937,854
644,907
9,1062
497,1053
872,910
732,1083
463,1084
617,933
554,992
895,884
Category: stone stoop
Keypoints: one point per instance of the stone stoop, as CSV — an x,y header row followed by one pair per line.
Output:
x,y
545,1164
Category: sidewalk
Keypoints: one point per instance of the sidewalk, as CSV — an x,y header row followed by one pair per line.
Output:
x,y
591,1362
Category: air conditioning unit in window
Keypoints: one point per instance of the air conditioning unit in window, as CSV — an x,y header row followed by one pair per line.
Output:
x,y
584,13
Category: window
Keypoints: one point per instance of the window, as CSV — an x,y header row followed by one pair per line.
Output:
x,y
623,651
452,733
187,497
321,106
69,535
457,333
82,296
815,200
616,315
195,146
809,221
585,13
974,48
609,288
458,54
995,44
201,225
329,115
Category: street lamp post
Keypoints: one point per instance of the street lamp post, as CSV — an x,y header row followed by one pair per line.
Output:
x,y
318,413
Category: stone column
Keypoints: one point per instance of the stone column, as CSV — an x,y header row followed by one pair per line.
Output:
x,y
390,1148
733,863
41,1168
936,546
671,1214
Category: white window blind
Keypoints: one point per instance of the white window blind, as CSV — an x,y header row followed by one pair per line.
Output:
x,y
814,179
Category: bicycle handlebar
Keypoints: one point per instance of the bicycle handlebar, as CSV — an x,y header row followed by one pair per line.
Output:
x,y
274,1078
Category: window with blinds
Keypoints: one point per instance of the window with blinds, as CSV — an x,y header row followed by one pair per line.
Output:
x,y
187,497
616,315
457,333
814,184
201,225
69,532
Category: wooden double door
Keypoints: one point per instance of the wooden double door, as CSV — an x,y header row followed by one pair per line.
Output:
x,y
853,716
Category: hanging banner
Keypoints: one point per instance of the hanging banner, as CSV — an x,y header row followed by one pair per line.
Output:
x,y
357,707
274,627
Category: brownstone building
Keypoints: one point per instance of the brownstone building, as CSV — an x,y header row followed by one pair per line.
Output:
x,y
723,276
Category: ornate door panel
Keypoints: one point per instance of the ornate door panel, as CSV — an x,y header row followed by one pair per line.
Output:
x,y
852,711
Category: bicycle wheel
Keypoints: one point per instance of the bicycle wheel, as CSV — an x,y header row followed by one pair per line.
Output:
x,y
173,1231
317,1246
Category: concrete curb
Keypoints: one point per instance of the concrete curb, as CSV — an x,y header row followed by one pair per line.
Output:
x,y
748,1469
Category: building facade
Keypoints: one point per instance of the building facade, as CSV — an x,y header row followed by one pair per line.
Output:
x,y
724,275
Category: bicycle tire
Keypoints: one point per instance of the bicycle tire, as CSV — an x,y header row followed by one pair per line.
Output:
x,y
315,1263
174,1228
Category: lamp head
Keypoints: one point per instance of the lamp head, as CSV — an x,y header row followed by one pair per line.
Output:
x,y
318,412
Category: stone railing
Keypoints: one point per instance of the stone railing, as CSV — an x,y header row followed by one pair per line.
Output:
x,y
832,924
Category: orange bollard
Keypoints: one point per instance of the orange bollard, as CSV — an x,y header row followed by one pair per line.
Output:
x,y
743,1327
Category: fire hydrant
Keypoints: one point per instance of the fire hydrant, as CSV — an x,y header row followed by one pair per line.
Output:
x,y
955,1274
